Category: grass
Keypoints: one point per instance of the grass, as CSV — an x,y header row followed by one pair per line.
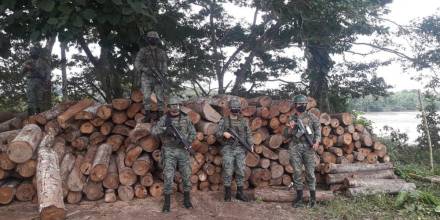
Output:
x,y
419,205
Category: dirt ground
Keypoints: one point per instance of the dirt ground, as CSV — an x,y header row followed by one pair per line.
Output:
x,y
208,205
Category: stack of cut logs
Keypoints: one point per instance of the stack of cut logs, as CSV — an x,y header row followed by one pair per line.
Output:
x,y
103,150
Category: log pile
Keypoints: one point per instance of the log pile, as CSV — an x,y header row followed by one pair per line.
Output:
x,y
105,152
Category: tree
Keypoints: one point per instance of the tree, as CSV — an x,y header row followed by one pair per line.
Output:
x,y
433,121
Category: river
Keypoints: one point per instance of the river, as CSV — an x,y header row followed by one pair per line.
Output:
x,y
406,122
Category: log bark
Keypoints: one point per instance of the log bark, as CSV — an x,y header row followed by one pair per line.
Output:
x,y
8,190
76,180
142,165
156,190
6,163
275,141
276,170
149,143
25,191
49,185
141,130
80,143
104,112
88,113
141,192
71,111
205,110
126,175
379,174
24,144
137,96
280,194
106,128
93,190
132,153
252,160
87,128
110,196
101,162
111,181
356,167
207,128
87,163
125,193
11,124
121,129
325,119
115,141
387,189
74,197
27,169
147,180
120,104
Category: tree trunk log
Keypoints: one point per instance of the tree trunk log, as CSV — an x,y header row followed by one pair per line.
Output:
x,y
24,144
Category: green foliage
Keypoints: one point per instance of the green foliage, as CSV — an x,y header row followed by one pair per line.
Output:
x,y
433,121
358,118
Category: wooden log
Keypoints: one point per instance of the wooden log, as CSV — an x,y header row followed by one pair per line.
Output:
x,y
252,160
66,166
276,170
274,111
142,165
359,128
53,113
358,156
71,111
134,109
249,111
156,155
351,182
110,196
147,180
328,157
378,146
126,175
6,163
25,191
344,118
88,113
11,124
344,139
27,169
111,180
125,193
209,169
284,118
141,192
132,154
93,190
284,106
381,189
315,111
106,128
263,112
149,143
137,96
287,179
275,141
96,138
210,139
269,153
325,131
119,117
120,104
87,163
325,119
87,128
24,144
80,143
97,122
350,129
260,177
193,116
364,151
8,190
273,194
76,180
274,123
121,129
205,110
348,149
288,169
276,182
141,130
336,151
342,160
74,197
115,141
357,144
327,142
104,112
156,190
284,157
49,185
207,128
260,135
256,123
372,158
339,130
334,122
101,163
366,139
4,174
356,167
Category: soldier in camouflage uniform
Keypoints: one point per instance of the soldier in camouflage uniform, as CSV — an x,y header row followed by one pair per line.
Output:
x,y
234,154
38,88
300,150
173,152
151,60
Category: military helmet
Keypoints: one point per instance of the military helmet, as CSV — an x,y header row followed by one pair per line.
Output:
x,y
300,99
153,34
174,100
234,103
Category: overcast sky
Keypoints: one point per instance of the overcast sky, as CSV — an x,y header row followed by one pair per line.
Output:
x,y
402,12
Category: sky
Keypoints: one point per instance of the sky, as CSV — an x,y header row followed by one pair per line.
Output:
x,y
401,12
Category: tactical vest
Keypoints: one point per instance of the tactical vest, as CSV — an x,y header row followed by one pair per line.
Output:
x,y
180,123
239,126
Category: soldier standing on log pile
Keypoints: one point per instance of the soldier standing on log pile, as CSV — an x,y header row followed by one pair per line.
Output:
x,y
151,70
233,151
304,132
38,88
174,151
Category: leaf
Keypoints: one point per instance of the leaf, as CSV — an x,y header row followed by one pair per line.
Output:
x,y
127,11
65,9
89,14
437,209
78,21
52,21
9,3
401,199
46,5
81,2
117,2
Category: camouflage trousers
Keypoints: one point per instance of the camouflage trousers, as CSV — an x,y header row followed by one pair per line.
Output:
x,y
38,96
149,85
233,161
302,154
171,158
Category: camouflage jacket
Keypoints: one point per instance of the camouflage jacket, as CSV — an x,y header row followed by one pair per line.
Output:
x,y
239,124
310,121
151,57
38,68
182,123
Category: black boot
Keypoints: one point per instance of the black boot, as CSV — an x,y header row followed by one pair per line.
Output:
x,y
187,200
312,201
298,202
240,195
166,204
227,193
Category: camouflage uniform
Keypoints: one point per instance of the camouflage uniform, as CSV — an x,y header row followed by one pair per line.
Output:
x,y
149,59
301,152
234,154
173,153
38,88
